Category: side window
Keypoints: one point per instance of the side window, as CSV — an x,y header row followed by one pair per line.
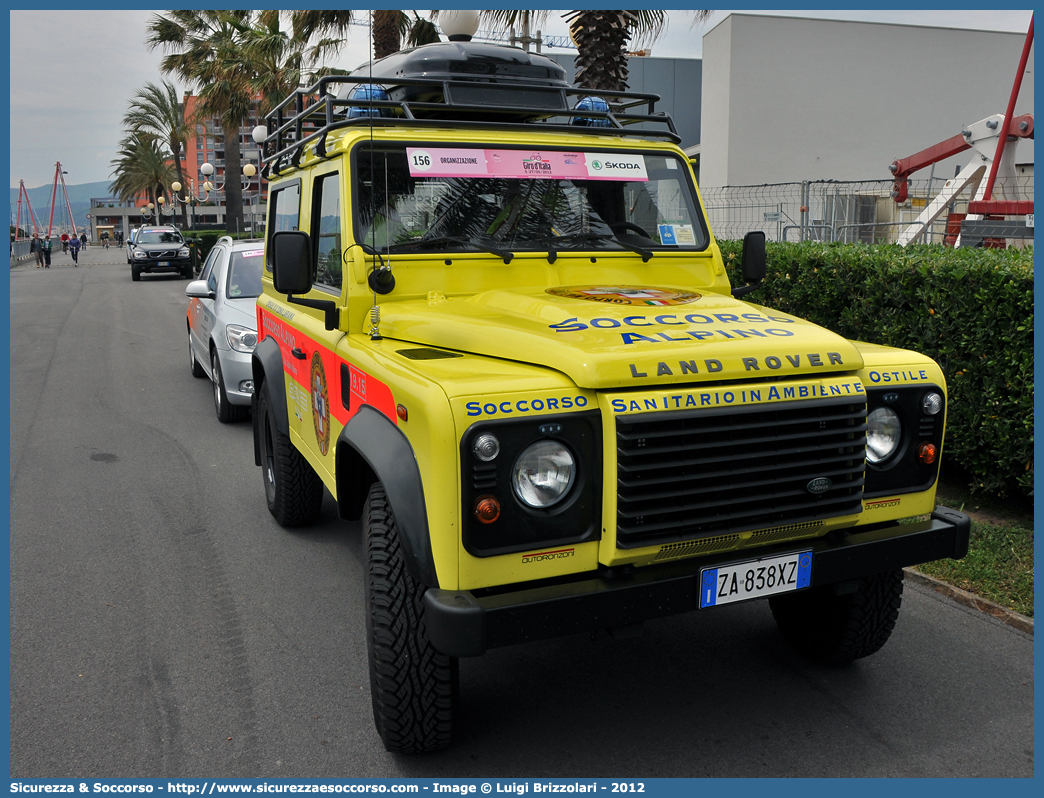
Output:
x,y
208,267
284,211
212,278
326,230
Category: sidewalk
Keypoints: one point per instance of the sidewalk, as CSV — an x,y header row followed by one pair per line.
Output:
x,y
94,255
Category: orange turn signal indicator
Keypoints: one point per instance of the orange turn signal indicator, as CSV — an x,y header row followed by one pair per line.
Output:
x,y
487,509
926,453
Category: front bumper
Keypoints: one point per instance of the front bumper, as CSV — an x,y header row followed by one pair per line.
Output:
x,y
173,266
461,623
235,370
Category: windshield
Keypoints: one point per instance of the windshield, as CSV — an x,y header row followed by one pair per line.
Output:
x,y
158,237
244,274
434,199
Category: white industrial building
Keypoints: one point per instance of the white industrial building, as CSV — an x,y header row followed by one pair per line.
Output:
x,y
789,104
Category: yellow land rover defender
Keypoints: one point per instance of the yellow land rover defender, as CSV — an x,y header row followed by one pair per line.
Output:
x,y
496,326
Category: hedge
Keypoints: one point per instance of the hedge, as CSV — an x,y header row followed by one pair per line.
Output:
x,y
205,240
971,310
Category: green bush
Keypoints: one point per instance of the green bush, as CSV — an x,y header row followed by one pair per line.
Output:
x,y
971,310
205,240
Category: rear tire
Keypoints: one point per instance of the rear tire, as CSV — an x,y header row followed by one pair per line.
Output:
x,y
226,411
293,490
835,629
413,687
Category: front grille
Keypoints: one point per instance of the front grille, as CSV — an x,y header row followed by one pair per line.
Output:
x,y
690,475
166,254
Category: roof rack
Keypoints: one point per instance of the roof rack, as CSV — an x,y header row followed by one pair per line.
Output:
x,y
309,115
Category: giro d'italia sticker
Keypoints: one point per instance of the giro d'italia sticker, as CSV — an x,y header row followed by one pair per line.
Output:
x,y
625,294
320,403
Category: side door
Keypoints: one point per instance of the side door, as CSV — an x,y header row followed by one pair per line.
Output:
x,y
321,366
200,309
208,310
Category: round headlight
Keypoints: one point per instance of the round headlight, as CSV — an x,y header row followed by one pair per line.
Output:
x,y
543,473
882,434
932,403
486,447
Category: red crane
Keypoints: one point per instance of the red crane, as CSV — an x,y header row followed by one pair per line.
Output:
x,y
985,137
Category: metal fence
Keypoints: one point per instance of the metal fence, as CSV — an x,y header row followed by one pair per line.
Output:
x,y
860,211
20,249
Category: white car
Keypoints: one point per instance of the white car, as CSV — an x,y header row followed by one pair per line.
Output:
x,y
130,243
222,323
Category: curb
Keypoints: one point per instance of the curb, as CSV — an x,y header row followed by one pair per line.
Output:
x,y
1002,614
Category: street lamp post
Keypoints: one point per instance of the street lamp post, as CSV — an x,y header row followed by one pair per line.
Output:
x,y
249,170
191,199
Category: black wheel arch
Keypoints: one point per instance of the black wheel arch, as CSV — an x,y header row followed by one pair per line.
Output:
x,y
372,449
266,366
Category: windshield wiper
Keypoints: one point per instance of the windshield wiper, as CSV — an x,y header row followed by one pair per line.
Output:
x,y
581,238
507,255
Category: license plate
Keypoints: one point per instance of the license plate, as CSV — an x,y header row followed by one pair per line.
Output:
x,y
756,578
163,263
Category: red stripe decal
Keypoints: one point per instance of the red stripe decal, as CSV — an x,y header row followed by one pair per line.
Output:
x,y
365,389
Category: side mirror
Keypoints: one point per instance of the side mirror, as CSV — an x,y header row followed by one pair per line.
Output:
x,y
753,262
754,259
291,253
291,262
199,289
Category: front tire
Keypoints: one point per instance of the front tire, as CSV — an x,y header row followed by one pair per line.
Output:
x,y
135,272
413,687
293,490
194,367
835,629
226,411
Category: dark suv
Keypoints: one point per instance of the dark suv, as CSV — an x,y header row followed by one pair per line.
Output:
x,y
159,249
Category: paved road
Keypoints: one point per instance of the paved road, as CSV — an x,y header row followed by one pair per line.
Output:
x,y
162,624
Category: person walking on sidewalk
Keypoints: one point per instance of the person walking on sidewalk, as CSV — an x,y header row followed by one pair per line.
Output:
x,y
46,246
83,240
36,247
74,250
65,241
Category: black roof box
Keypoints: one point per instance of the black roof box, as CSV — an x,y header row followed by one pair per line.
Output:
x,y
472,73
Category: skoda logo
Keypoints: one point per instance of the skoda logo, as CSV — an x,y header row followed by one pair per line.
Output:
x,y
819,485
596,164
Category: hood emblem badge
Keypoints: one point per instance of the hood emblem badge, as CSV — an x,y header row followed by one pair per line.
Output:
x,y
819,486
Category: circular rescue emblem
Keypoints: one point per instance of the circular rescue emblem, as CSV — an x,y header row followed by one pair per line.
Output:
x,y
320,403
625,294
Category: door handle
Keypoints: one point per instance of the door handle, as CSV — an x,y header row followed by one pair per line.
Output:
x,y
298,353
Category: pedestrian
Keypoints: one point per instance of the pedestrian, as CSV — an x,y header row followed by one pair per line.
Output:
x,y
65,241
46,245
36,246
83,240
74,250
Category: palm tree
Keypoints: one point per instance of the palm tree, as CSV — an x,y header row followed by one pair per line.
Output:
x,y
204,48
141,166
601,38
155,111
389,30
308,24
276,59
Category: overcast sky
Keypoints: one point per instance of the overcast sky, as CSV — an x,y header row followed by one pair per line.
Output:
x,y
73,71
